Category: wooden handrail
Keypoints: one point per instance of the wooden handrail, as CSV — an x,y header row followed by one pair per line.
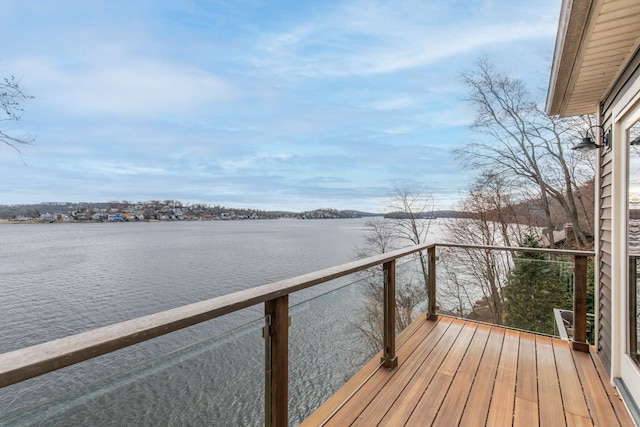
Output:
x,y
26,363
29,362
518,249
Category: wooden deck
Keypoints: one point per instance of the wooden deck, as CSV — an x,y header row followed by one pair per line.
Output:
x,y
453,372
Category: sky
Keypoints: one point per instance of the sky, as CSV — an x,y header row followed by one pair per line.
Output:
x,y
273,105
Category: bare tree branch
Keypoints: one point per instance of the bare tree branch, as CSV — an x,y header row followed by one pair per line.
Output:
x,y
405,224
520,139
12,96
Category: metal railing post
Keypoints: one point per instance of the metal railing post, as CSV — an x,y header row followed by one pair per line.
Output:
x,y
389,358
276,334
432,309
580,303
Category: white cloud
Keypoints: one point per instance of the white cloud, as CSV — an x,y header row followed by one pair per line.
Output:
x,y
110,168
453,116
250,162
392,103
387,38
125,85
398,130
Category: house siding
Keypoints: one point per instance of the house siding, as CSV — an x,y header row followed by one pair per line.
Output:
x,y
628,75
604,259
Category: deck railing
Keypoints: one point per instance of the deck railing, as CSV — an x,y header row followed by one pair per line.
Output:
x,y
21,365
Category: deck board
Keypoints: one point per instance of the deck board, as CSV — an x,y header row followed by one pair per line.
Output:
x,y
453,405
572,397
601,410
502,398
477,406
525,413
612,393
368,407
400,410
426,409
352,408
550,397
459,373
527,369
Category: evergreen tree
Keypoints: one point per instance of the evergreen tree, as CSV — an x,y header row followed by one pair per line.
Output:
x,y
536,286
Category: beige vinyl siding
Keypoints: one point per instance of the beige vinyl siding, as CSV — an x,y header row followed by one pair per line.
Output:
x,y
615,95
604,259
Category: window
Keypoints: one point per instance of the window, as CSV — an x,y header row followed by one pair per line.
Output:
x,y
633,238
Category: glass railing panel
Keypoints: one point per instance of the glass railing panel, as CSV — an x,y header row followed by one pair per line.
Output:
x,y
219,381
517,290
332,336
534,288
469,282
412,277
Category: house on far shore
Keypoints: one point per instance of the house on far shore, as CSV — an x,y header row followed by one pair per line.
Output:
x,y
596,70
47,217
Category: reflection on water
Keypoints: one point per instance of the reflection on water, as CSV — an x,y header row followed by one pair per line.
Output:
x,y
216,382
221,381
61,279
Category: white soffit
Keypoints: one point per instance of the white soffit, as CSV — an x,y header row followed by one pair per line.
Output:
x,y
596,39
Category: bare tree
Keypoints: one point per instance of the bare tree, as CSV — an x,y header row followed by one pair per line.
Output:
x,y
410,213
408,222
410,297
409,208
11,98
378,238
474,278
520,140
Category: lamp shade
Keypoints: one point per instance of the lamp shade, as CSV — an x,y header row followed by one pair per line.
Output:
x,y
585,145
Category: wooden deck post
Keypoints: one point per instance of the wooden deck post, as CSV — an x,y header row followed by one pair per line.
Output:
x,y
389,358
580,303
432,309
276,334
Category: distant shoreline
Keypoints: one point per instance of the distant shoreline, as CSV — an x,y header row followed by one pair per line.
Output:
x,y
172,211
37,221
168,210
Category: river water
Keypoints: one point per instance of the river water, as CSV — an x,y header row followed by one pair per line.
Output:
x,y
61,279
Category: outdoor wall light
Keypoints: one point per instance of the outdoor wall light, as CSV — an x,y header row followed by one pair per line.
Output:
x,y
588,143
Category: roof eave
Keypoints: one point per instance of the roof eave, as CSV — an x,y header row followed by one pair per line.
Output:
x,y
572,25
